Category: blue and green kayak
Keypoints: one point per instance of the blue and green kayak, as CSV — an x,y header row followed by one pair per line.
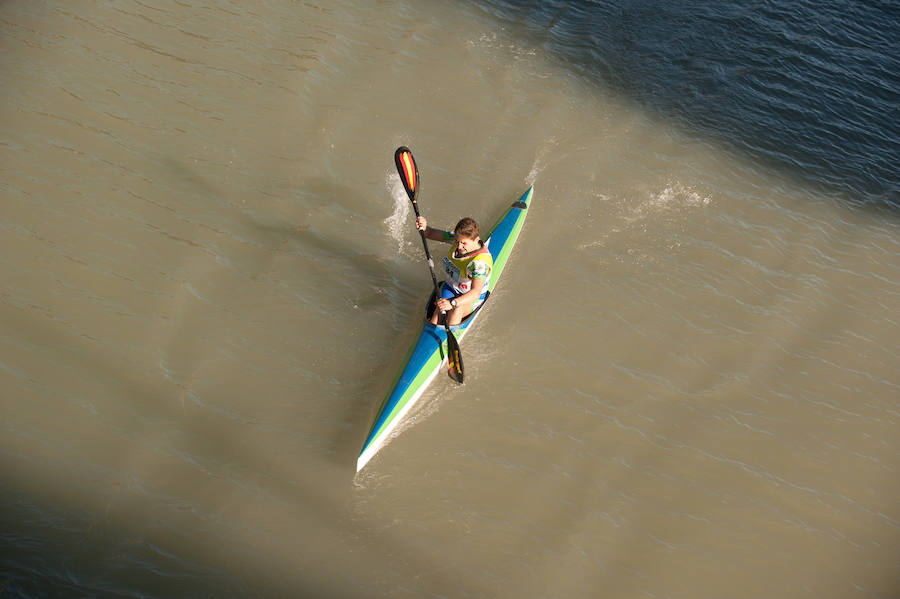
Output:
x,y
428,355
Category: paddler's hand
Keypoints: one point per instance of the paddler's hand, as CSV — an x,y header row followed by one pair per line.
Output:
x,y
421,223
444,305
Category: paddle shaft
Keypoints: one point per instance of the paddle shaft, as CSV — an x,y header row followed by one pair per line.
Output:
x,y
427,253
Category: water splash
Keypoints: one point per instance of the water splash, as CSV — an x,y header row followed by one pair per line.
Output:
x,y
397,221
538,165
675,196
679,194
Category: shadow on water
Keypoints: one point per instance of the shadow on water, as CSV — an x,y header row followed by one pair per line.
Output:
x,y
811,90
117,550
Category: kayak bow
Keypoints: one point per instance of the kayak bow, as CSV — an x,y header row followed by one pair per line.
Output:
x,y
428,354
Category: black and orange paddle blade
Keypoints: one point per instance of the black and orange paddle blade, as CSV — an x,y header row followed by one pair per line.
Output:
x,y
409,173
454,358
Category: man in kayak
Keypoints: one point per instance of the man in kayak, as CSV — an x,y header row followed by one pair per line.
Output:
x,y
468,267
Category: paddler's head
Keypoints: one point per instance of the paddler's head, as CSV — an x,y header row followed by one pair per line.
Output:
x,y
465,236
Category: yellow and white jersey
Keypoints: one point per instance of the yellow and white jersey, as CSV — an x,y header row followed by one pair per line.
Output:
x,y
463,270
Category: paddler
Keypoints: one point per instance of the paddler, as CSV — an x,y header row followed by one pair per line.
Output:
x,y
468,266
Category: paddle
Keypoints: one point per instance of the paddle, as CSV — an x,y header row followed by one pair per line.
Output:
x,y
409,174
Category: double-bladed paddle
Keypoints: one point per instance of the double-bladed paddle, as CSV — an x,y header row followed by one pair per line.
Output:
x,y
409,174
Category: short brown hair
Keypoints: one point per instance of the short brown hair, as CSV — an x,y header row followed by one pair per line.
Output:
x,y
467,228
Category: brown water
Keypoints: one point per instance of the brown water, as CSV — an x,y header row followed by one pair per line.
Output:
x,y
686,386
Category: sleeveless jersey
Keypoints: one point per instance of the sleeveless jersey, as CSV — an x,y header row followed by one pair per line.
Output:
x,y
461,272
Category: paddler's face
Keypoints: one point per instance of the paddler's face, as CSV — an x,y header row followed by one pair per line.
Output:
x,y
464,245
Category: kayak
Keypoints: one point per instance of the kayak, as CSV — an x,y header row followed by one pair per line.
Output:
x,y
428,355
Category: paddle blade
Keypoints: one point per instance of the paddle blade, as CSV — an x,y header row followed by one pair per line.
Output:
x,y
409,173
454,358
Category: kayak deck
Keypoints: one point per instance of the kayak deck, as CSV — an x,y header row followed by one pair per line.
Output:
x,y
429,354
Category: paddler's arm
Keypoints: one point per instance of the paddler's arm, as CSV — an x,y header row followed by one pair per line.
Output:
x,y
474,293
433,234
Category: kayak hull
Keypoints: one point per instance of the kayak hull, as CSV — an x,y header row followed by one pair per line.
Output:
x,y
428,355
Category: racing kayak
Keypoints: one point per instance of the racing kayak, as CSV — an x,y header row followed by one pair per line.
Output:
x,y
428,355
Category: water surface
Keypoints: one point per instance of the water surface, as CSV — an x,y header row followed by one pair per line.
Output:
x,y
685,386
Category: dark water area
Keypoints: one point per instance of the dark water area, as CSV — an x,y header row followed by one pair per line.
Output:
x,y
809,88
